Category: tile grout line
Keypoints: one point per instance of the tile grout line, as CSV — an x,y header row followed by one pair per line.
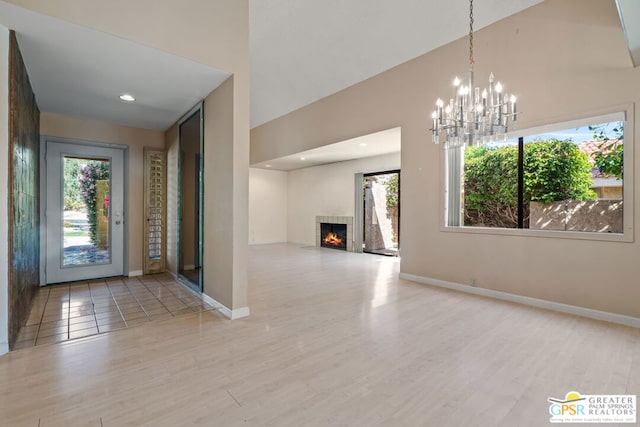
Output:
x,y
68,310
137,301
126,325
110,295
93,307
175,295
41,317
155,296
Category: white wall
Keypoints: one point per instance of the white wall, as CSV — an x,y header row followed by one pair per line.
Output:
x,y
267,206
4,187
327,190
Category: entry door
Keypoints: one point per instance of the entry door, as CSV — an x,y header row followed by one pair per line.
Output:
x,y
84,213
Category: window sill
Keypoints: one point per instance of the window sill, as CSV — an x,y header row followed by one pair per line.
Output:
x,y
626,237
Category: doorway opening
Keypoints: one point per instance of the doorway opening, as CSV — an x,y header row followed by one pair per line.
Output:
x,y
381,224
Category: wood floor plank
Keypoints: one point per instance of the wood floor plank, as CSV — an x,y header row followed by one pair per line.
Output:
x,y
334,338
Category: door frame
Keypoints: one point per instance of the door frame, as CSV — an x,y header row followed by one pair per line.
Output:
x,y
197,109
359,206
43,194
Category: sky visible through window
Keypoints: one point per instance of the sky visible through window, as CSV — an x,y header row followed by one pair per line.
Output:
x,y
577,135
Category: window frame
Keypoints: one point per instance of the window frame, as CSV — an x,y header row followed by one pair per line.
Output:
x,y
601,116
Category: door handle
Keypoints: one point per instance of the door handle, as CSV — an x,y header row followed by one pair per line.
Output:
x,y
118,217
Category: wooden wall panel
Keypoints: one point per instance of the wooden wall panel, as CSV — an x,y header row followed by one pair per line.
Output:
x,y
24,158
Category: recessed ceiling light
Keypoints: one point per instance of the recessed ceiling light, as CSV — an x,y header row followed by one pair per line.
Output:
x,y
302,158
127,97
267,166
363,144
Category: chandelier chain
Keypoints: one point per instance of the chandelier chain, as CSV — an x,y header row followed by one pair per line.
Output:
x,y
471,61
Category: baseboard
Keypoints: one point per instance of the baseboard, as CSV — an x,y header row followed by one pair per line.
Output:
x,y
136,273
275,242
535,302
238,313
4,348
226,311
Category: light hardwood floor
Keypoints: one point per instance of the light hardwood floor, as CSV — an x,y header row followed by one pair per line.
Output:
x,y
334,339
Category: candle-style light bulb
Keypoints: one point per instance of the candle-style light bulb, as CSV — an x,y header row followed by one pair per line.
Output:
x,y
440,103
505,106
513,108
456,82
498,87
491,91
484,102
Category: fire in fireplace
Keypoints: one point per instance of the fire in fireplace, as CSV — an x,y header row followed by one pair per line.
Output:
x,y
333,236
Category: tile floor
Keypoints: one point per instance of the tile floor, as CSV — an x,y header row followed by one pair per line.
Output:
x,y
79,309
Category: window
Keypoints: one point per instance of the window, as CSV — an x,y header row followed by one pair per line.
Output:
x,y
566,177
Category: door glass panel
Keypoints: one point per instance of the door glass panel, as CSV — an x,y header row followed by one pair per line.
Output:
x,y
155,207
190,201
86,216
155,211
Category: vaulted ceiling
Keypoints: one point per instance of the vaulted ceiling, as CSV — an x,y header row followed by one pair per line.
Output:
x,y
301,51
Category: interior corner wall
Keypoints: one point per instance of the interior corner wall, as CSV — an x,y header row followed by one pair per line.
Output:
x,y
224,250
545,54
267,206
327,190
136,140
4,187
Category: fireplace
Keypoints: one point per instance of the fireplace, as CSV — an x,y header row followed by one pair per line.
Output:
x,y
333,236
335,232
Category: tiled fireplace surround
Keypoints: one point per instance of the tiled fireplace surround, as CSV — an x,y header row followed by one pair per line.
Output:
x,y
348,220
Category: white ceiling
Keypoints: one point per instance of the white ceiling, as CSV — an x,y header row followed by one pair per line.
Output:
x,y
375,144
304,50
81,72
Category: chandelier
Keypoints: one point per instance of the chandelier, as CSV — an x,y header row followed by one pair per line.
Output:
x,y
471,117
